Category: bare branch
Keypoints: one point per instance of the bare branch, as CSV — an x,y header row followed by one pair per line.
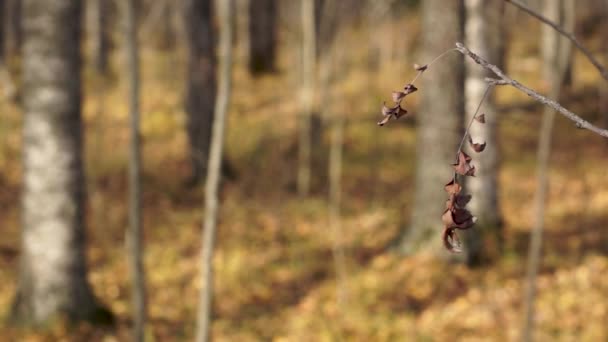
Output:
x,y
602,70
506,80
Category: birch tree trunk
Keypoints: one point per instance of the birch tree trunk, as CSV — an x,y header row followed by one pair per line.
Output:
x,y
262,36
134,233
483,35
225,15
439,125
200,83
53,270
556,52
306,95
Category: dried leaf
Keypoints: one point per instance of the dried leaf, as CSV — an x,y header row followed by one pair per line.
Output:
x,y
462,200
388,111
463,219
452,187
398,96
464,166
451,240
401,112
458,218
449,204
409,88
477,147
448,218
420,67
384,121
481,118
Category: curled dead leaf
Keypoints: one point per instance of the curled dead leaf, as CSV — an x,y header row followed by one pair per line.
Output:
x,y
409,88
463,166
458,218
477,147
398,96
451,240
420,67
384,121
481,118
452,187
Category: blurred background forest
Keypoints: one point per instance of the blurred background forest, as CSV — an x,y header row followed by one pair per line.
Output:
x,y
329,227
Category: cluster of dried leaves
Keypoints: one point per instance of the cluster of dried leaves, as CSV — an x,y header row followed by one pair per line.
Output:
x,y
397,110
455,216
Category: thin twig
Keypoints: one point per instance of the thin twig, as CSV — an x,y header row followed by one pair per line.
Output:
x,y
564,33
428,65
466,132
506,80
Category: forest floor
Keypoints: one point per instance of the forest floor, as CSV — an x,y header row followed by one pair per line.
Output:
x,y
274,275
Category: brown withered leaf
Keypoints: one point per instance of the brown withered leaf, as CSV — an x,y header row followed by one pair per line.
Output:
x,y
464,166
420,67
452,187
400,112
448,218
451,240
458,218
462,200
463,219
384,121
477,147
398,96
409,88
457,201
388,111
451,201
481,118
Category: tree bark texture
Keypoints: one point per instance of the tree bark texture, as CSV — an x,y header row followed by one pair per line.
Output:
x,y
225,14
439,125
53,270
200,82
262,36
483,34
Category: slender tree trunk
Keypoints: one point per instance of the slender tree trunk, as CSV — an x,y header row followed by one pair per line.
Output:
x,y
556,50
262,36
101,35
53,270
306,95
329,61
439,124
134,233
225,15
483,31
200,84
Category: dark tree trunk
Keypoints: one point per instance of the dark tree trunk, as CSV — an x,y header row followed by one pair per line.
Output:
x,y
439,125
12,26
53,270
262,36
200,83
102,35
